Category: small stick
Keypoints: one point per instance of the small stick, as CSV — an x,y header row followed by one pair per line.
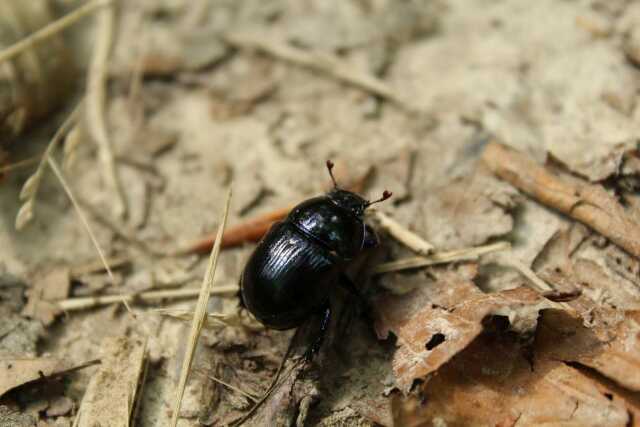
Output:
x,y
252,230
535,281
587,203
97,266
321,62
403,235
467,254
83,303
96,99
51,29
199,315
81,215
249,231
20,164
231,387
538,284
212,319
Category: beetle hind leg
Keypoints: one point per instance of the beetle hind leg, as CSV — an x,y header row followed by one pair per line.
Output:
x,y
315,346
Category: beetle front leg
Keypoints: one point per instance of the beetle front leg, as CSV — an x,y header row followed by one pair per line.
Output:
x,y
347,284
371,239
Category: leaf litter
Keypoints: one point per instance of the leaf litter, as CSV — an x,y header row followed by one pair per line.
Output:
x,y
474,343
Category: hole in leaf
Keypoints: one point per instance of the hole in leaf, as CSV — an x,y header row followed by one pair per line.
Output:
x,y
435,341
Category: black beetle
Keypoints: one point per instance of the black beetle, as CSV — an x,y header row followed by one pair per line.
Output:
x,y
290,274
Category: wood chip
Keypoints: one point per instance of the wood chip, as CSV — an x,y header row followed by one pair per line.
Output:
x,y
112,393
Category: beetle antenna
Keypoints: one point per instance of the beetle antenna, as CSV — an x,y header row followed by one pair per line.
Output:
x,y
330,169
385,195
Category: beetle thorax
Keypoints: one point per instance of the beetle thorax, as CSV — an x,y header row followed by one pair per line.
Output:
x,y
339,230
348,201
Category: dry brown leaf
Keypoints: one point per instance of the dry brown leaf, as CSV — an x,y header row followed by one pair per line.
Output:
x,y
623,264
111,395
48,287
16,372
493,383
435,322
570,262
562,265
598,166
559,248
467,212
617,357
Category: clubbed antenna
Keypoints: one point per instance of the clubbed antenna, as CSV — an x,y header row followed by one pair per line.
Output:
x,y
385,195
330,168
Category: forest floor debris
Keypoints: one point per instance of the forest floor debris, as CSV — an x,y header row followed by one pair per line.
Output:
x,y
521,306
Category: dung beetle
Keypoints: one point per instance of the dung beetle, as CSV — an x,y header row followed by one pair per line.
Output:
x,y
292,271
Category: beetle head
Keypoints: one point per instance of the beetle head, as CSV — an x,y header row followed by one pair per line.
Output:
x,y
348,200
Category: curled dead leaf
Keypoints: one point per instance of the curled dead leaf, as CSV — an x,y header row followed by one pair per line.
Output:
x,y
493,382
434,323
614,353
15,372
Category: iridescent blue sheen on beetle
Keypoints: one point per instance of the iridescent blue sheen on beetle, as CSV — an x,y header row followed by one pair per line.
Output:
x,y
294,268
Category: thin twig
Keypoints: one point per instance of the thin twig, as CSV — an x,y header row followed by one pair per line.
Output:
x,y
212,319
538,284
96,100
274,383
83,218
535,281
20,164
403,234
322,62
248,231
200,313
253,229
234,388
51,29
82,303
97,266
76,420
32,184
466,254
587,203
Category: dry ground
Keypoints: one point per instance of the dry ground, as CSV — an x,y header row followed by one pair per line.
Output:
x,y
547,77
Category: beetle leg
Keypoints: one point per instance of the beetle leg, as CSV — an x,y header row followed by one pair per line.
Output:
x,y
317,342
240,298
371,239
347,284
